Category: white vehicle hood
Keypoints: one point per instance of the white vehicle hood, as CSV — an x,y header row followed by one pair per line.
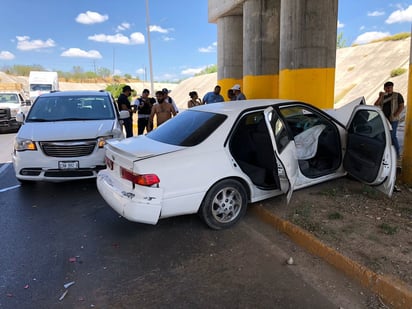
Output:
x,y
343,113
66,130
141,147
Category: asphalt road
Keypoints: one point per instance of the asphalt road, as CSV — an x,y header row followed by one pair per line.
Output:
x,y
53,234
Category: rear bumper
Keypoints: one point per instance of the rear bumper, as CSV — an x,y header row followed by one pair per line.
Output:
x,y
142,204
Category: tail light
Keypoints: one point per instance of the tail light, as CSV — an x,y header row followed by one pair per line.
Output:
x,y
109,163
143,180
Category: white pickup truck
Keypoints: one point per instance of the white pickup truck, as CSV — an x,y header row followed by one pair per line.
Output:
x,y
12,102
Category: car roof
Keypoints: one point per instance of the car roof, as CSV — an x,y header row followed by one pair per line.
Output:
x,y
76,93
233,107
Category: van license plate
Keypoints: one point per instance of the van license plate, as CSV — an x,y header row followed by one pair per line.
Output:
x,y
68,165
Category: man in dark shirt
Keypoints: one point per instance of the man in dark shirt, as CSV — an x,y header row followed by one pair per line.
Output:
x,y
143,105
392,104
124,104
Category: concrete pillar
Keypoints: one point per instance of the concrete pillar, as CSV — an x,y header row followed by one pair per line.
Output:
x,y
406,175
308,51
261,28
229,52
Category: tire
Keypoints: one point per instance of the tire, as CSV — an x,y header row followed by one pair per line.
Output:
x,y
224,204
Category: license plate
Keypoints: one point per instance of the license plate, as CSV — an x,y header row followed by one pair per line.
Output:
x,y
68,165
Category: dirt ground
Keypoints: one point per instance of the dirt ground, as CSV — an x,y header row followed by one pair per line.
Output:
x,y
359,222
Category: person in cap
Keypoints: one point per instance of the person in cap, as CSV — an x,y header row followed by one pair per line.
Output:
x,y
169,99
144,105
392,105
238,94
213,96
124,104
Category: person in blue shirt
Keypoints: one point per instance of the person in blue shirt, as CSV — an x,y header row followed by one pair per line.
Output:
x,y
237,93
213,96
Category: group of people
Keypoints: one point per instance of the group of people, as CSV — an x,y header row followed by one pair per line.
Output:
x,y
163,107
233,94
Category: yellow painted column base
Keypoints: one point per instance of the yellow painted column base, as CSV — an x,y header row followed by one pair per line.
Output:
x,y
406,174
261,86
314,86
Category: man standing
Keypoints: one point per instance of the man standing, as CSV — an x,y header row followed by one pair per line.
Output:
x,y
392,104
213,96
237,93
162,110
124,104
169,99
144,108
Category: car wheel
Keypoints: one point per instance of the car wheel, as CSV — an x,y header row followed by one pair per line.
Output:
x,y
224,204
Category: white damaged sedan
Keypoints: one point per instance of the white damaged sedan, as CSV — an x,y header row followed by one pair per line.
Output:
x,y
215,159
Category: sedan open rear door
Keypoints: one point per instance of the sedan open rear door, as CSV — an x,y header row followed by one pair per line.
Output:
x,y
370,156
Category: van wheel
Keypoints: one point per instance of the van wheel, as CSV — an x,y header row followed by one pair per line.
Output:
x,y
224,204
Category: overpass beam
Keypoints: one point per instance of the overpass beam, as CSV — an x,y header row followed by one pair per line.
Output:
x,y
261,28
308,51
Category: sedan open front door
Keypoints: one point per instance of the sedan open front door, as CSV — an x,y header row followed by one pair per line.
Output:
x,y
285,152
370,156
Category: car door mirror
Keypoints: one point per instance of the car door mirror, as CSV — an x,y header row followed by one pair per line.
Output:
x,y
20,117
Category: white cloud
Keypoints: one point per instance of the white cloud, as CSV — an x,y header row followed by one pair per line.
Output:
x,y
370,36
155,28
140,71
90,17
135,38
340,25
209,49
6,55
123,26
79,53
168,38
192,71
376,13
400,16
24,43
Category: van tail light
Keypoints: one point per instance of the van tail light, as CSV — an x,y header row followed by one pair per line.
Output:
x,y
142,180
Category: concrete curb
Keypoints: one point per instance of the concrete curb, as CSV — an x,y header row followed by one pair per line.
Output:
x,y
394,292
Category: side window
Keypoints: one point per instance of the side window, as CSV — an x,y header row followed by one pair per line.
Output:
x,y
368,124
279,131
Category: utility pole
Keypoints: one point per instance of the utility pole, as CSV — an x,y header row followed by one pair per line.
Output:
x,y
149,46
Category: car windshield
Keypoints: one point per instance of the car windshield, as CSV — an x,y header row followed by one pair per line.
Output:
x,y
76,107
9,98
189,128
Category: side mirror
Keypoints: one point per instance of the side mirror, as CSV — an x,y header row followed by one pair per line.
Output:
x,y
20,117
28,102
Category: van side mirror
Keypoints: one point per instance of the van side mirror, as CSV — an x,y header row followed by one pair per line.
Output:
x,y
20,117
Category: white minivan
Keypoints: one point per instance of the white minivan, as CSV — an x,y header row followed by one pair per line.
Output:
x,y
63,136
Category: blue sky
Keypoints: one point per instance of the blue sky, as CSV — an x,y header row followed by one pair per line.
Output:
x,y
93,34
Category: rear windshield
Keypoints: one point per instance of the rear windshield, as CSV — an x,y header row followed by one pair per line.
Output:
x,y
64,108
188,128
